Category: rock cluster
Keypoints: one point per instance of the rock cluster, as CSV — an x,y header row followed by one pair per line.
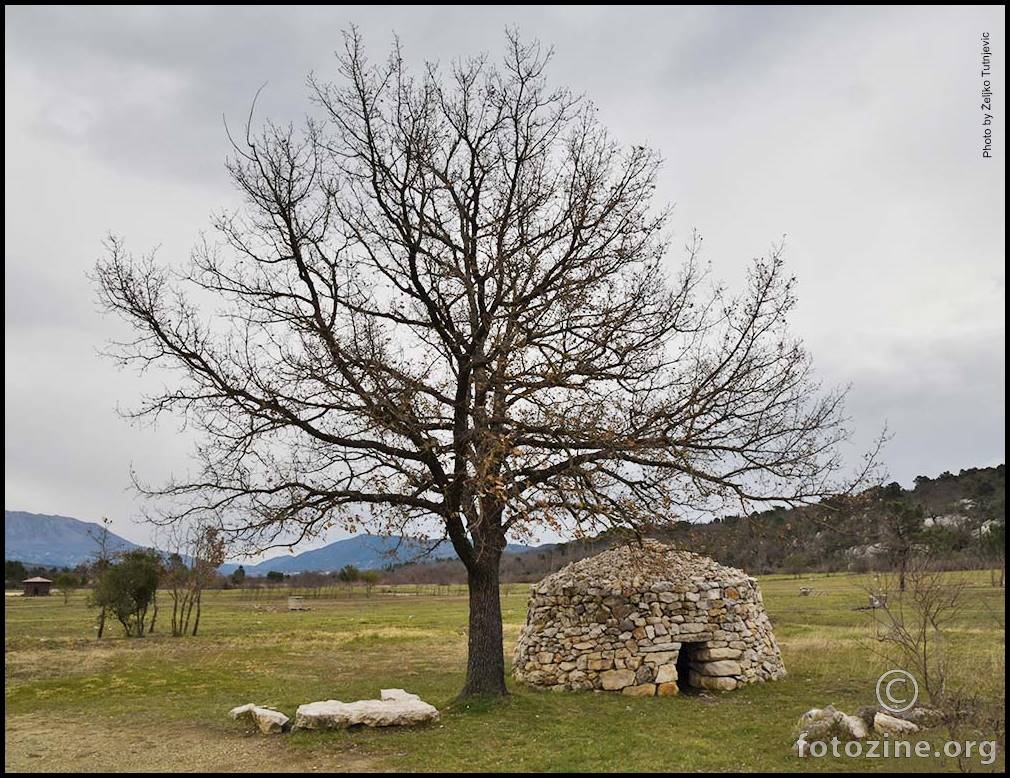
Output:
x,y
621,620
823,724
394,708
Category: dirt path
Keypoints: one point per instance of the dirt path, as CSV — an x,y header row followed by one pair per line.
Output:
x,y
44,743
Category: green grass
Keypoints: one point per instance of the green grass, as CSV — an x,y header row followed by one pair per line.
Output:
x,y
160,703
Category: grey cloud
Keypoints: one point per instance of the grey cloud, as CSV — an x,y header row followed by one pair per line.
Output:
x,y
854,130
943,403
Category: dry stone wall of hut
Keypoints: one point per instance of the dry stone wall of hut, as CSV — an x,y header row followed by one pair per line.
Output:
x,y
646,619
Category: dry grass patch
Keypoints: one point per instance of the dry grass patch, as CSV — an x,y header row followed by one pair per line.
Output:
x,y
64,743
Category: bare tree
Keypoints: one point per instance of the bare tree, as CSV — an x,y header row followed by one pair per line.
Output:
x,y
103,558
445,305
920,606
916,607
199,551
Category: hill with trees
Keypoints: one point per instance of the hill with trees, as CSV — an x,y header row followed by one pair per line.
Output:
x,y
959,520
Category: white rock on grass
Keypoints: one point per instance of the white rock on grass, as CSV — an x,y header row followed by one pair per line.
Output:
x,y
816,714
856,727
822,724
270,722
893,726
397,708
398,694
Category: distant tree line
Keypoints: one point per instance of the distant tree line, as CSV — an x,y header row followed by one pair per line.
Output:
x,y
958,521
310,583
15,572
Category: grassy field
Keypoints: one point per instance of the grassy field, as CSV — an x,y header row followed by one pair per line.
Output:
x,y
158,703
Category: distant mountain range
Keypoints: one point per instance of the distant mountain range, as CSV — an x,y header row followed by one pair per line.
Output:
x,y
366,552
54,541
963,521
62,541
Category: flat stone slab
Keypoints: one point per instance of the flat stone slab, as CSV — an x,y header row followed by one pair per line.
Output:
x,y
396,708
893,726
719,667
269,721
613,680
659,647
711,682
715,654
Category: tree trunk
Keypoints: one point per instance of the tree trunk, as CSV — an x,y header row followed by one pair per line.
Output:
x,y
175,613
485,666
189,611
196,624
154,614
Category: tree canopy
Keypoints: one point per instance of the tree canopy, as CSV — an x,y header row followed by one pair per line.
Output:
x,y
448,301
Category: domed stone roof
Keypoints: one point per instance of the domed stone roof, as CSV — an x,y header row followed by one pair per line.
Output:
x,y
646,618
637,566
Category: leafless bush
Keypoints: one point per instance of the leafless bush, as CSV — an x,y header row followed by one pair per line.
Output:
x,y
191,567
913,630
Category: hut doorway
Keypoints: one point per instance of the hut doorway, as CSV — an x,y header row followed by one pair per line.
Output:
x,y
687,659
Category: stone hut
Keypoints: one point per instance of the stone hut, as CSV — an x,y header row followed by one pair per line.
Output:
x,y
646,619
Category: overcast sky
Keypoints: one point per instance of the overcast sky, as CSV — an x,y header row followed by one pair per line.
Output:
x,y
857,133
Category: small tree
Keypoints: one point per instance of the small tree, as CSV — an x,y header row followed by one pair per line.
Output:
x,y
275,576
900,531
238,576
67,583
128,589
370,578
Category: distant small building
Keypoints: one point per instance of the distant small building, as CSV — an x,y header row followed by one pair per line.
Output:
x,y
37,587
